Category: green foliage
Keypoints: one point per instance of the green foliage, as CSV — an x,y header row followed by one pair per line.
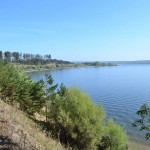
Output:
x,y
7,56
37,94
31,95
143,122
8,82
1,55
114,138
77,121
15,56
97,63
17,87
30,59
62,90
71,116
49,93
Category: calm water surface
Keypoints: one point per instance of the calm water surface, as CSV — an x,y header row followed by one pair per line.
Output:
x,y
121,90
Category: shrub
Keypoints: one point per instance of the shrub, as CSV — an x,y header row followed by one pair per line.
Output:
x,y
115,137
78,121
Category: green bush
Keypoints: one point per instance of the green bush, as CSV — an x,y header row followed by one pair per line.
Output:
x,y
78,121
115,137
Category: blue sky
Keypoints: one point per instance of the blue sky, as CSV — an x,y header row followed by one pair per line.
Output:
x,y
77,30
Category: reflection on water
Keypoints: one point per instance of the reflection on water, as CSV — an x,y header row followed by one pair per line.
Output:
x,y
121,90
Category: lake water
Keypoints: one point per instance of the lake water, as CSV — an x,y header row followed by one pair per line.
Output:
x,y
121,90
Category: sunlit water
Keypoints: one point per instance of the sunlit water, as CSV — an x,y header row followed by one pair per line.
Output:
x,y
121,90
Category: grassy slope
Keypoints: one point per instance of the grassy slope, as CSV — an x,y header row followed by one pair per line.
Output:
x,y
23,133
17,131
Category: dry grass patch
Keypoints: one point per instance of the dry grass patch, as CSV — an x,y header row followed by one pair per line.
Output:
x,y
24,131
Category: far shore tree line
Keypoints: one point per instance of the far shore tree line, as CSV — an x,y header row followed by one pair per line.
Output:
x,y
29,59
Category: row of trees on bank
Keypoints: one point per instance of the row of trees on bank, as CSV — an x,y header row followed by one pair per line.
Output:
x,y
71,116
30,59
98,64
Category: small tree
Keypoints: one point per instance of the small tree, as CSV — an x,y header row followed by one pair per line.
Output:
x,y
62,91
7,56
15,56
49,93
143,122
114,137
76,120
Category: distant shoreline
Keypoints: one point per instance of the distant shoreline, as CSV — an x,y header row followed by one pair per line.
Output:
x,y
36,68
64,68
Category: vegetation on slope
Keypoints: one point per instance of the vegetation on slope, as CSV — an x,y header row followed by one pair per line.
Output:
x,y
18,132
71,116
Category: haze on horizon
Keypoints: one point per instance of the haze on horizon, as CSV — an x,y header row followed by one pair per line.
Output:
x,y
77,30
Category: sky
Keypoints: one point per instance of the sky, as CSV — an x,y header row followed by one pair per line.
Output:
x,y
77,30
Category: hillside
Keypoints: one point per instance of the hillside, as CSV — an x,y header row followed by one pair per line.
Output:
x,y
18,132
